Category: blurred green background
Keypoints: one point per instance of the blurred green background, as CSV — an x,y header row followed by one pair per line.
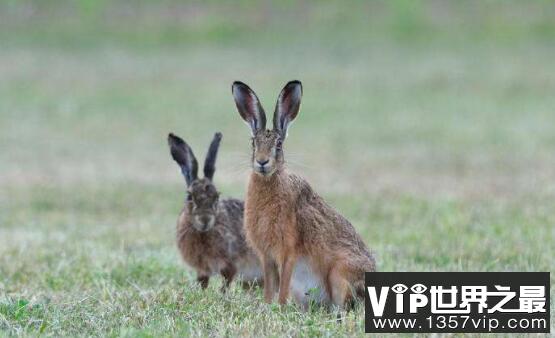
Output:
x,y
429,124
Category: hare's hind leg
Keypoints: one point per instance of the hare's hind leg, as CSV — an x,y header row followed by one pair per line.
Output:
x,y
339,287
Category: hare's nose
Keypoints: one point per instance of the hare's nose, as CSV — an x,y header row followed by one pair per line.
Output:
x,y
262,162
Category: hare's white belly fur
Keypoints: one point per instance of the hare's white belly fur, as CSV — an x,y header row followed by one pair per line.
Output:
x,y
249,270
306,286
249,273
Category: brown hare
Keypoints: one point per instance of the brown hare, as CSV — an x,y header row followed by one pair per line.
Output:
x,y
303,243
210,233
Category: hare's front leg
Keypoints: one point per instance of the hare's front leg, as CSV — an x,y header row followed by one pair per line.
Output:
x,y
287,266
270,278
203,281
228,273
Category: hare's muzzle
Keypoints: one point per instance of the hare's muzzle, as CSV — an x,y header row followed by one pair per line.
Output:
x,y
264,167
204,222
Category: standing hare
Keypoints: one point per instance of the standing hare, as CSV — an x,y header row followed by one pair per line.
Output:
x,y
210,233
304,244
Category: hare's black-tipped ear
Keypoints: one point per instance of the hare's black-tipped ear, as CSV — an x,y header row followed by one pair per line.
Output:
x,y
210,161
183,155
287,106
249,106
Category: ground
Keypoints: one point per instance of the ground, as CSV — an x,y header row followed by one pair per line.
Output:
x,y
430,126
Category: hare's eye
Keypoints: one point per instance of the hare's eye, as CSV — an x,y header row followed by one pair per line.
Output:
x,y
279,143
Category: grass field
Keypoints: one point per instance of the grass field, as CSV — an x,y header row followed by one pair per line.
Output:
x,y
430,125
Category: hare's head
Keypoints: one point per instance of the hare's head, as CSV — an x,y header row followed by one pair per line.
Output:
x,y
202,195
267,144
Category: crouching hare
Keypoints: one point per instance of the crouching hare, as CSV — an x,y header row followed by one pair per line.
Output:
x,y
303,243
210,233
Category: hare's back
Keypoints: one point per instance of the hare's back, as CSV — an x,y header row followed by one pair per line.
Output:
x,y
323,226
230,214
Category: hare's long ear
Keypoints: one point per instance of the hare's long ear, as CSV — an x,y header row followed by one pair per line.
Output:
x,y
210,161
249,106
287,106
183,155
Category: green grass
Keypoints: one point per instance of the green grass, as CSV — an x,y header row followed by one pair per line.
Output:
x,y
430,125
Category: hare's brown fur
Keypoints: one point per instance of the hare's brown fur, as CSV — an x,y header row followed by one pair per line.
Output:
x,y
210,234
222,249
289,224
285,220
